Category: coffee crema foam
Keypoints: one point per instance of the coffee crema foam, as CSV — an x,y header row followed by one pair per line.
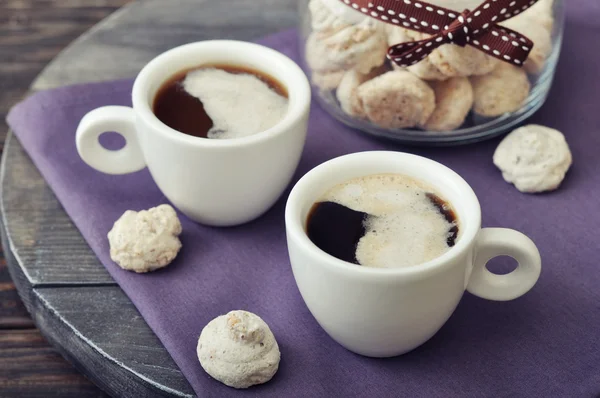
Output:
x,y
403,226
239,104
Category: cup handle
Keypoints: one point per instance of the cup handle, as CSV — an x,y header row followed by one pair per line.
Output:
x,y
493,242
120,119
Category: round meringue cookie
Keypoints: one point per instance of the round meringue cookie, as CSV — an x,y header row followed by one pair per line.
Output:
x,y
423,69
347,94
446,61
361,47
238,349
542,12
534,158
344,12
323,20
453,60
453,101
502,91
397,34
316,56
541,50
397,99
542,7
147,240
327,80
532,26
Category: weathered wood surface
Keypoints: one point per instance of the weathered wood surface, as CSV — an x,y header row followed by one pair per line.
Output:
x,y
13,315
74,301
140,31
31,368
43,238
32,32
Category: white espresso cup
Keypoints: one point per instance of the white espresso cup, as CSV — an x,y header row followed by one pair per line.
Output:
x,y
386,312
219,182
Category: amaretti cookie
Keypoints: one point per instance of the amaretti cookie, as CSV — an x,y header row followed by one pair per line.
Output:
x,y
343,11
347,91
423,69
397,99
453,61
323,20
539,34
542,12
453,101
327,80
361,47
501,91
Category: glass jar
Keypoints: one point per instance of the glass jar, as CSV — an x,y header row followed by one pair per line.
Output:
x,y
455,95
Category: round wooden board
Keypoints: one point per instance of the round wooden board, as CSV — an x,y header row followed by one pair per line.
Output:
x,y
71,297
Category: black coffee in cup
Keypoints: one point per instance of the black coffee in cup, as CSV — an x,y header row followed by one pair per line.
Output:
x,y
221,101
383,221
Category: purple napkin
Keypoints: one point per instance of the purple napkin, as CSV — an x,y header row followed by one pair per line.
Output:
x,y
544,344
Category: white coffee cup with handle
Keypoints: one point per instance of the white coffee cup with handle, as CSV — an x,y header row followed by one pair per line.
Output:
x,y
215,182
386,312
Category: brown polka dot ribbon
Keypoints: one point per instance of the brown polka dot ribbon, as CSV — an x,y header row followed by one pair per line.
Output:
x,y
478,28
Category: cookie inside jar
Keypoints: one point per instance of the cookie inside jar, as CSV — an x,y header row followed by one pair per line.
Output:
x,y
455,92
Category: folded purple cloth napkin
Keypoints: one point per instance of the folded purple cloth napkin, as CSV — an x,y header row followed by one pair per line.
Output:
x,y
543,344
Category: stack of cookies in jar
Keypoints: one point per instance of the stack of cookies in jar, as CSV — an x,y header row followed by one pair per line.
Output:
x,y
346,54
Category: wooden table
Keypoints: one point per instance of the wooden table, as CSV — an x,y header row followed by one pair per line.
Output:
x,y
73,300
31,34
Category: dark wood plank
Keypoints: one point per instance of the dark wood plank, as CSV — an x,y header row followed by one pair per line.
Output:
x,y
30,368
98,328
42,236
32,32
73,346
13,314
51,375
137,33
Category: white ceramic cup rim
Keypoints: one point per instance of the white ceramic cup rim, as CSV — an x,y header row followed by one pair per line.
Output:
x,y
470,224
152,77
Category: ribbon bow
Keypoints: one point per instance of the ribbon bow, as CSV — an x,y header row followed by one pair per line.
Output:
x,y
477,28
